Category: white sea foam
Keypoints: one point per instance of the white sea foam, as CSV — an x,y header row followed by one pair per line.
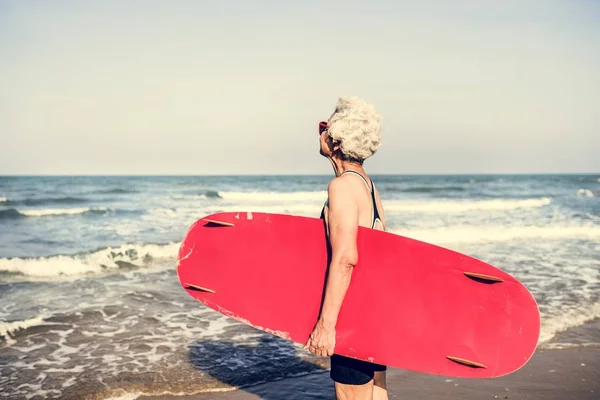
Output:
x,y
568,319
165,212
60,211
257,196
3,199
500,233
97,262
457,206
309,204
274,196
294,200
123,395
585,193
311,210
8,329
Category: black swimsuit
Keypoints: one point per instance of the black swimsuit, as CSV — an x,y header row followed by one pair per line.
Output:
x,y
346,370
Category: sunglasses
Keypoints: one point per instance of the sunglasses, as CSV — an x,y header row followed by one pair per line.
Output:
x,y
322,127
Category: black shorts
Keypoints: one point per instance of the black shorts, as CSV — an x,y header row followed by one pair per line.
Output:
x,y
351,371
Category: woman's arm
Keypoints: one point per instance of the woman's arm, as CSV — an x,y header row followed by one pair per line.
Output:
x,y
342,224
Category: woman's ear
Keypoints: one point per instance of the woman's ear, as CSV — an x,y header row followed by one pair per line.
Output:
x,y
336,146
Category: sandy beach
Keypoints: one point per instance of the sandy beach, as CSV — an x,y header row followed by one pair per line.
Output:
x,y
551,374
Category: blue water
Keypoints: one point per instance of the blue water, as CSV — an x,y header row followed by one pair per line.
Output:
x,y
88,291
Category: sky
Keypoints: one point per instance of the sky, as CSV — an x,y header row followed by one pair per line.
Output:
x,y
238,87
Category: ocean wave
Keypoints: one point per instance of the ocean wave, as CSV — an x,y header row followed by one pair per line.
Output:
x,y
208,194
211,194
9,330
310,204
424,189
568,319
42,201
10,213
587,216
310,201
275,196
255,197
127,256
3,199
457,206
500,233
13,213
168,212
300,209
116,191
585,193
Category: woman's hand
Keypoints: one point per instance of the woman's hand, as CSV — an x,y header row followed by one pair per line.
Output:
x,y
322,340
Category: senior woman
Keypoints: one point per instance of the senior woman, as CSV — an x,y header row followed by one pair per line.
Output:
x,y
350,136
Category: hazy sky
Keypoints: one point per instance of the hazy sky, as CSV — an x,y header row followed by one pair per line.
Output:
x,y
238,87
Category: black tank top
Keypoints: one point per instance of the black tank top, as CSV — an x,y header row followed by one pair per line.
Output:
x,y
376,216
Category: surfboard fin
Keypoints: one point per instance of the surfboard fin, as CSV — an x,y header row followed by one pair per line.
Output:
x,y
198,288
467,363
483,277
219,223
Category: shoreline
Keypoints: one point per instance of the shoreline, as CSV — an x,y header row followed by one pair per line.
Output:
x,y
551,374
556,374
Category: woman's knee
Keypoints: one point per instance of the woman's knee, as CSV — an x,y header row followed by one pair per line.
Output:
x,y
354,392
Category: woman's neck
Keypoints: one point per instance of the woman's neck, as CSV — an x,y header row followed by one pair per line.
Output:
x,y
341,166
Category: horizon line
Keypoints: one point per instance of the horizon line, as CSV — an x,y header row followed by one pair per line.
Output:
x,y
256,175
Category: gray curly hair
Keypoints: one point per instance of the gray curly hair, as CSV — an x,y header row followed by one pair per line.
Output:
x,y
356,126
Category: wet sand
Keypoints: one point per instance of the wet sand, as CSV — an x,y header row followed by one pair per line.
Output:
x,y
551,374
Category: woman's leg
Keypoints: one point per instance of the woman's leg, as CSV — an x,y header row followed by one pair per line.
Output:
x,y
379,386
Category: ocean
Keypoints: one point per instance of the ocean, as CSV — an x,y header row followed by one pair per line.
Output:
x,y
91,307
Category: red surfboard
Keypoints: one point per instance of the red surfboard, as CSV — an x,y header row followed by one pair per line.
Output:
x,y
410,304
